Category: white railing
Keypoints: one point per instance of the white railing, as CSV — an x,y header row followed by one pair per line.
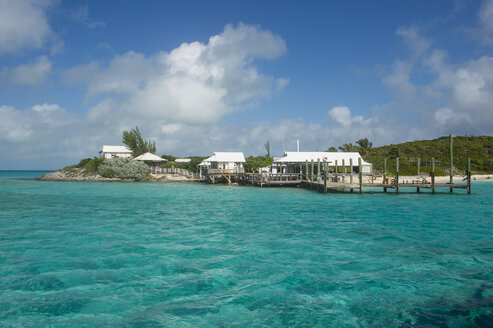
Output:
x,y
170,170
224,171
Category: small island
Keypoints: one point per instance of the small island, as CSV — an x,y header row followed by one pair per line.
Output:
x,y
419,160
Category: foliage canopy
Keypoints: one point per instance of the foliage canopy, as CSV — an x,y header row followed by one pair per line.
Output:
x,y
253,163
133,139
478,148
124,168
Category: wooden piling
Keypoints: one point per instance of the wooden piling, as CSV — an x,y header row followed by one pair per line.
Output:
x,y
432,174
397,175
311,172
360,176
451,144
468,175
306,173
384,173
343,171
417,172
326,170
318,169
350,170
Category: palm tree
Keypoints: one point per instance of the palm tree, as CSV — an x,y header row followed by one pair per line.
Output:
x,y
267,147
331,149
133,139
348,147
365,147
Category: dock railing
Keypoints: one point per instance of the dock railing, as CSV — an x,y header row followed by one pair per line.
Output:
x,y
274,178
171,170
224,171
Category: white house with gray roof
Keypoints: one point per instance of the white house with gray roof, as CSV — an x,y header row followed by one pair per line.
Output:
x,y
292,162
223,162
115,151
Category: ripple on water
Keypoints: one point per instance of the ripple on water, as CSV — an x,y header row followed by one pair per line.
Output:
x,y
183,255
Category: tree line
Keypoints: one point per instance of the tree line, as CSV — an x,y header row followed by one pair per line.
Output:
x,y
363,146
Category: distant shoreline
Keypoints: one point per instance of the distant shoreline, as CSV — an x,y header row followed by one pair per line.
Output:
x,y
27,170
60,175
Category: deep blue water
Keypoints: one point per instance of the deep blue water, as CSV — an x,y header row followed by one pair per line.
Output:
x,y
192,255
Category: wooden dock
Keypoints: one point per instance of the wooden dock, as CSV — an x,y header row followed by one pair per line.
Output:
x,y
340,180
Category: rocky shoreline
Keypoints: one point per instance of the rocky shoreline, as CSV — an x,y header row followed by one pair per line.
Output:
x,y
79,175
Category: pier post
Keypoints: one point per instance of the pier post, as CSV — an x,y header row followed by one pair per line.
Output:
x,y
337,168
417,172
311,173
343,171
351,170
468,175
318,169
306,173
432,174
384,173
326,170
360,176
451,144
397,175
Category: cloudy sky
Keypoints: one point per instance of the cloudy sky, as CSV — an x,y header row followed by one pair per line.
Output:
x,y
204,76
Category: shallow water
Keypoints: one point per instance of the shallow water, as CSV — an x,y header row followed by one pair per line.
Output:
x,y
192,255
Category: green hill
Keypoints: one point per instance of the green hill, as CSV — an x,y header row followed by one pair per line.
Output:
x,y
479,149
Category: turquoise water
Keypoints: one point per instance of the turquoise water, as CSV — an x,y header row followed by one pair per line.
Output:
x,y
191,255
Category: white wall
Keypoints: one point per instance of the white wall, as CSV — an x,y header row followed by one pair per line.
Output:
x,y
111,155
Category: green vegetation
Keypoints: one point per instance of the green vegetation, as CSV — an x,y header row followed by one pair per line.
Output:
x,y
169,158
331,149
90,165
124,168
190,166
253,163
365,147
349,147
86,167
136,143
479,149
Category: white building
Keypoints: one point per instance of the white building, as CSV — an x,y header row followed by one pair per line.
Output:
x,y
223,162
183,160
115,151
293,162
150,159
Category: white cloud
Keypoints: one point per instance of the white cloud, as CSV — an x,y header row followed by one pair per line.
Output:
x,y
470,86
194,83
81,74
418,44
23,25
81,15
485,15
342,115
457,100
482,31
28,74
399,80
49,134
46,136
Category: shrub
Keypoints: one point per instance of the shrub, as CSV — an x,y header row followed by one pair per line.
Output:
x,y
93,165
90,165
124,168
83,162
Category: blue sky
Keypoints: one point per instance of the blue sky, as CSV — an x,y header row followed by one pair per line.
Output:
x,y
204,76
